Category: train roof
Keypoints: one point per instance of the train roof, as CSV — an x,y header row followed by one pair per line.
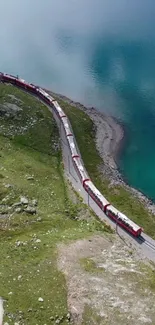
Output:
x,y
97,192
43,92
25,83
9,76
67,126
123,217
81,168
72,146
59,109
22,80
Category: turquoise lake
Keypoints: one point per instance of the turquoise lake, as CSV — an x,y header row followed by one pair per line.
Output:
x,y
100,53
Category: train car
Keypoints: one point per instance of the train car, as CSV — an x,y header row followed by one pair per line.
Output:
x,y
72,147
96,195
123,221
118,217
18,82
9,78
82,174
58,109
21,83
45,96
67,126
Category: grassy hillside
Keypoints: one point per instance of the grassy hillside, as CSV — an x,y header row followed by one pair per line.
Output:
x,y
36,212
85,135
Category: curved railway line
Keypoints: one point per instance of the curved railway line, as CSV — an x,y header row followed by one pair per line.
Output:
x,y
78,175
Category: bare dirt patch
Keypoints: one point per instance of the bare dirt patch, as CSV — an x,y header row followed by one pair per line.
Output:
x,y
107,277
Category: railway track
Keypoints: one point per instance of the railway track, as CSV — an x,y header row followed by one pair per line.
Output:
x,y
148,246
147,243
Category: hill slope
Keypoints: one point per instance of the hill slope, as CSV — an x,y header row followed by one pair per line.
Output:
x,y
55,255
36,211
118,193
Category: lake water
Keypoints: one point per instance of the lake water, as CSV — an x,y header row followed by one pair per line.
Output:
x,y
97,52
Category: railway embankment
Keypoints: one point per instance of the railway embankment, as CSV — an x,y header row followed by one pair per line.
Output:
x,y
58,263
37,211
99,138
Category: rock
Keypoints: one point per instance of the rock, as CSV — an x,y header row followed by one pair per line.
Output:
x,y
39,219
40,299
8,185
19,277
18,210
24,200
34,202
61,318
30,210
38,241
30,178
18,243
17,204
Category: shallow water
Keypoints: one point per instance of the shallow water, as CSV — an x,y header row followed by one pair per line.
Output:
x,y
101,53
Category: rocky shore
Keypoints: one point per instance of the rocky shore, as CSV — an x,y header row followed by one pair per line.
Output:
x,y
109,139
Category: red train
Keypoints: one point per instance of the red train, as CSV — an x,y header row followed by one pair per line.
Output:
x,y
89,187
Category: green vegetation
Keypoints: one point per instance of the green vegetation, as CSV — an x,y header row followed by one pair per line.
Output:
x,y
31,167
90,316
84,131
149,280
90,266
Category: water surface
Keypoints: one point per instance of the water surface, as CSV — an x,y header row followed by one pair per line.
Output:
x,y
101,53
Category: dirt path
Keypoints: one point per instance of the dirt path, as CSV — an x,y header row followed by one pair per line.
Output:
x,y
108,278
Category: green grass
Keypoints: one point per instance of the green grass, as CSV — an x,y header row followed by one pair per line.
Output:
x,y
90,266
90,316
28,269
149,280
84,131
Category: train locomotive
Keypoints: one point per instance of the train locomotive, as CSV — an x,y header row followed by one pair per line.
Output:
x,y
110,211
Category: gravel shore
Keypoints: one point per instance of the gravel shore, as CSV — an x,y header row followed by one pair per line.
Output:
x,y
109,139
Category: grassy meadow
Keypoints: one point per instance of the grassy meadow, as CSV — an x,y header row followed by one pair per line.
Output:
x,y
36,212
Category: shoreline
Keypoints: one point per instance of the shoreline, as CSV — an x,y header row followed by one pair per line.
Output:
x,y
110,137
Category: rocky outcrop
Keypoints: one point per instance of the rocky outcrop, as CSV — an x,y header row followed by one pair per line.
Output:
x,y
23,205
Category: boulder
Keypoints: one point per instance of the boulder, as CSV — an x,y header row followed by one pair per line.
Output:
x,y
24,200
30,178
30,210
